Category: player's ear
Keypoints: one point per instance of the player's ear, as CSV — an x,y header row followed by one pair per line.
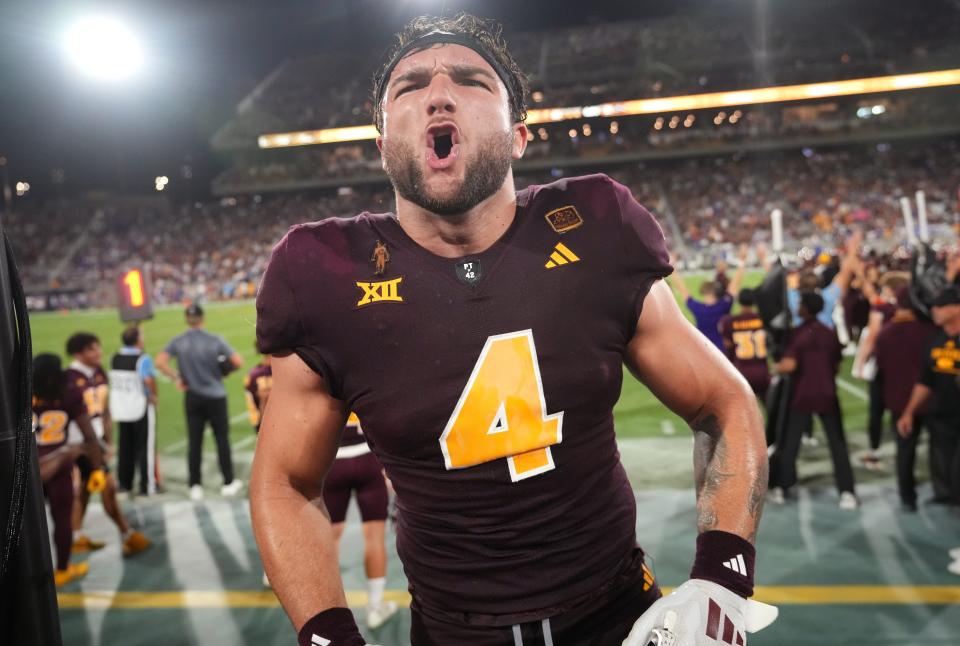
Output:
x,y
383,159
520,135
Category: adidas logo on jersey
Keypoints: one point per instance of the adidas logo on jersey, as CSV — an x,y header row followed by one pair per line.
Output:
x,y
737,565
561,256
317,640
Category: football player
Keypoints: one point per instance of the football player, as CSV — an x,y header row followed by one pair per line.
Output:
x,y
356,470
256,390
485,358
87,381
745,341
54,408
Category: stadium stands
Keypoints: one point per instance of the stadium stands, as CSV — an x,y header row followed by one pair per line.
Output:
x,y
217,250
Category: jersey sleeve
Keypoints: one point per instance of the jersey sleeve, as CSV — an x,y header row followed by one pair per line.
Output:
x,y
73,404
793,350
645,249
279,325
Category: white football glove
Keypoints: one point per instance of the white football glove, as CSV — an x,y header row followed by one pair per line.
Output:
x,y
700,613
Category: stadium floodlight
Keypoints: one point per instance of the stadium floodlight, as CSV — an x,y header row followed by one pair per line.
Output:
x,y
104,48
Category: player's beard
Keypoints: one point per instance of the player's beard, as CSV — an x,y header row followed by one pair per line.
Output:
x,y
484,175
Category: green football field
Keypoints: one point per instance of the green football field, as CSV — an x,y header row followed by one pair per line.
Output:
x,y
876,576
638,413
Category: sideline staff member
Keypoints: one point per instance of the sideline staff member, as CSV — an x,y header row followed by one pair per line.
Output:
x,y
133,404
203,359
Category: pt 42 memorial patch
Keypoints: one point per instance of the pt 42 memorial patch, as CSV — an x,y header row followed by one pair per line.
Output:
x,y
564,219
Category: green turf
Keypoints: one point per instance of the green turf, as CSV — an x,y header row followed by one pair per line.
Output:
x,y
638,413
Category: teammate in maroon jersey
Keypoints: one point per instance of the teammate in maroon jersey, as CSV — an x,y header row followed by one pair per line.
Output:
x,y
87,381
256,390
357,470
746,343
53,409
485,360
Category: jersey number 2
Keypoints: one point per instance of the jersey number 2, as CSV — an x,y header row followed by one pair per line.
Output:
x,y
502,412
51,427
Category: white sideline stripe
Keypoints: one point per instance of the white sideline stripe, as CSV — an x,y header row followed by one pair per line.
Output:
x,y
667,427
852,389
317,640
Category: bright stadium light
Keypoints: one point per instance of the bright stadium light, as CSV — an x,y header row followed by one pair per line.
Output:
x,y
104,48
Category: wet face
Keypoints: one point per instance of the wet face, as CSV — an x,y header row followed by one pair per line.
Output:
x,y
448,140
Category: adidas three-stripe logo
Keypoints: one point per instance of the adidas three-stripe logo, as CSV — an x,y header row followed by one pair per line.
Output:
x,y
737,565
561,256
317,640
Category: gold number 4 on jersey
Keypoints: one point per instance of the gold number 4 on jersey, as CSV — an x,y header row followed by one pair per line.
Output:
x,y
502,412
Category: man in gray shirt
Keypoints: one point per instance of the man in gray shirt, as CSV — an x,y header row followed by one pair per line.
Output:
x,y
203,359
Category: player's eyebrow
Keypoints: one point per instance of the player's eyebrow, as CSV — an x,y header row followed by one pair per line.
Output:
x,y
456,71
463,71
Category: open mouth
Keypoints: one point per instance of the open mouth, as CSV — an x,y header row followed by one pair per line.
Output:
x,y
442,145
442,139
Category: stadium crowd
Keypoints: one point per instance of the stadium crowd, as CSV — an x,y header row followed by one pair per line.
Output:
x,y
217,250
638,59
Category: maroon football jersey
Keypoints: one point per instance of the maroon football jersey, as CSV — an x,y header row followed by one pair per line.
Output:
x,y
887,310
746,344
90,385
818,352
899,350
257,382
52,418
486,387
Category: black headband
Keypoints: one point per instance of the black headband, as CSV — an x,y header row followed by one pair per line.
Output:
x,y
443,37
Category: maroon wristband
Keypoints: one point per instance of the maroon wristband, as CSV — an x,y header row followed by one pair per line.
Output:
x,y
725,559
333,627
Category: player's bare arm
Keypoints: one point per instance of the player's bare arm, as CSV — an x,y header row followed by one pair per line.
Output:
x,y
298,442
678,283
107,422
850,261
90,444
690,376
737,282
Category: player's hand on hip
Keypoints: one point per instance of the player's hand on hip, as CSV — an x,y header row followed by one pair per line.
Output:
x,y
700,613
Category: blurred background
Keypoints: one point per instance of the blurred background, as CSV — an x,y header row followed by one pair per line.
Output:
x,y
180,140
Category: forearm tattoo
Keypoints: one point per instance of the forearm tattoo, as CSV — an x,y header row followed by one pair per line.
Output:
x,y
713,466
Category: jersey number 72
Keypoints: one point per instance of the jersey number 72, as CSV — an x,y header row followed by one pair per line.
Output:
x,y
502,412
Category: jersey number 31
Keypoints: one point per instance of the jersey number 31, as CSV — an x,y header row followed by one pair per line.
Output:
x,y
502,412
